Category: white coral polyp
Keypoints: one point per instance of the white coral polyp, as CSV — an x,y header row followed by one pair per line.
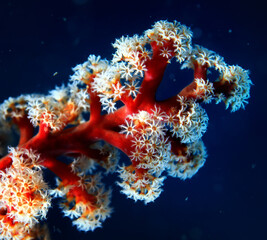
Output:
x,y
24,194
146,189
185,167
193,121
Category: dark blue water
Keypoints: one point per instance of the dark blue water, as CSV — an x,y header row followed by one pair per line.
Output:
x,y
228,196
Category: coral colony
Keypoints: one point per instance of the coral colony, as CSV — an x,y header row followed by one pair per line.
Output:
x,y
160,138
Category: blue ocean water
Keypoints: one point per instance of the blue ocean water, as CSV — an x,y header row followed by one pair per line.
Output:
x,y
227,198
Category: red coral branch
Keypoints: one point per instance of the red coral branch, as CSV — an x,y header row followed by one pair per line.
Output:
x,y
108,106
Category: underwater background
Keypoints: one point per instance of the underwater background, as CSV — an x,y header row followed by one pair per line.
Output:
x,y
40,41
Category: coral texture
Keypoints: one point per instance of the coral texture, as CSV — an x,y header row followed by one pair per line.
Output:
x,y
110,107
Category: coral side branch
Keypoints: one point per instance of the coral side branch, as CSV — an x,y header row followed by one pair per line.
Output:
x,y
78,130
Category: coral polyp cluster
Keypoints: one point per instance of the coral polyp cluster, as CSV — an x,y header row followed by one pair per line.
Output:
x,y
110,107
